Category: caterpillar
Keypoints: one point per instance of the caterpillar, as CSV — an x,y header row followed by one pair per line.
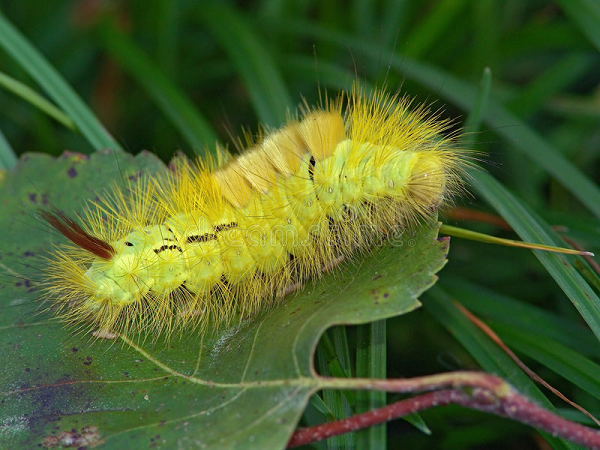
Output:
x,y
221,239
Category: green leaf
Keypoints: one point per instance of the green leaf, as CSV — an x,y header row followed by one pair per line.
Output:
x,y
242,387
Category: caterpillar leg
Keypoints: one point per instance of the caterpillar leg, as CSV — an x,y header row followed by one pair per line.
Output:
x,y
104,334
333,264
291,288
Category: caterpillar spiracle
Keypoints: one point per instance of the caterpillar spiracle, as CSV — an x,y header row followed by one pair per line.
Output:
x,y
212,242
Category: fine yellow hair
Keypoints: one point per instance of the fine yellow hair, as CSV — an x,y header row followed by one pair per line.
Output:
x,y
208,244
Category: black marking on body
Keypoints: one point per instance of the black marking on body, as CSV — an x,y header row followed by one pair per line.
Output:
x,y
225,226
197,238
311,172
167,247
224,280
311,169
349,213
331,222
369,207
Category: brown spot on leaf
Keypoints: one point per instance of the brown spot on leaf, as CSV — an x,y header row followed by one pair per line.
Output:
x,y
87,436
74,156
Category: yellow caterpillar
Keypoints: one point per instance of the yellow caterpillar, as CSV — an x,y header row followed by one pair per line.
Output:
x,y
206,245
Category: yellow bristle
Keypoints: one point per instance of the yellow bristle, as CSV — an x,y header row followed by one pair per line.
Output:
x,y
322,131
214,242
285,149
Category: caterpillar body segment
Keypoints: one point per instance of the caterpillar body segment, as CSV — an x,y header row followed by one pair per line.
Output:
x,y
205,245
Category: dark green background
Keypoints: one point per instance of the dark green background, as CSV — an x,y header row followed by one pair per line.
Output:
x,y
239,64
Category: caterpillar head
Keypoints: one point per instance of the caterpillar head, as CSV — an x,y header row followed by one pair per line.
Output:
x,y
144,261
125,274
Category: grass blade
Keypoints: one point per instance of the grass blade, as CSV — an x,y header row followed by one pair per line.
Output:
x,y
530,227
8,159
517,314
181,112
491,358
36,65
29,95
568,363
586,14
252,61
371,363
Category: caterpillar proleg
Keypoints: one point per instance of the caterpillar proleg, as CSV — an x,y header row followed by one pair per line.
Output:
x,y
210,242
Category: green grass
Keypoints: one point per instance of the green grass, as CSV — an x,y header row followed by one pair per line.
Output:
x,y
168,76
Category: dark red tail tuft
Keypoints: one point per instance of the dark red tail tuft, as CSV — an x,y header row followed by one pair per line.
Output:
x,y
72,231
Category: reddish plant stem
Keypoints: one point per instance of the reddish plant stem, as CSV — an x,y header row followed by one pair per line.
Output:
x,y
401,408
509,404
530,373
515,406
478,216
588,258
